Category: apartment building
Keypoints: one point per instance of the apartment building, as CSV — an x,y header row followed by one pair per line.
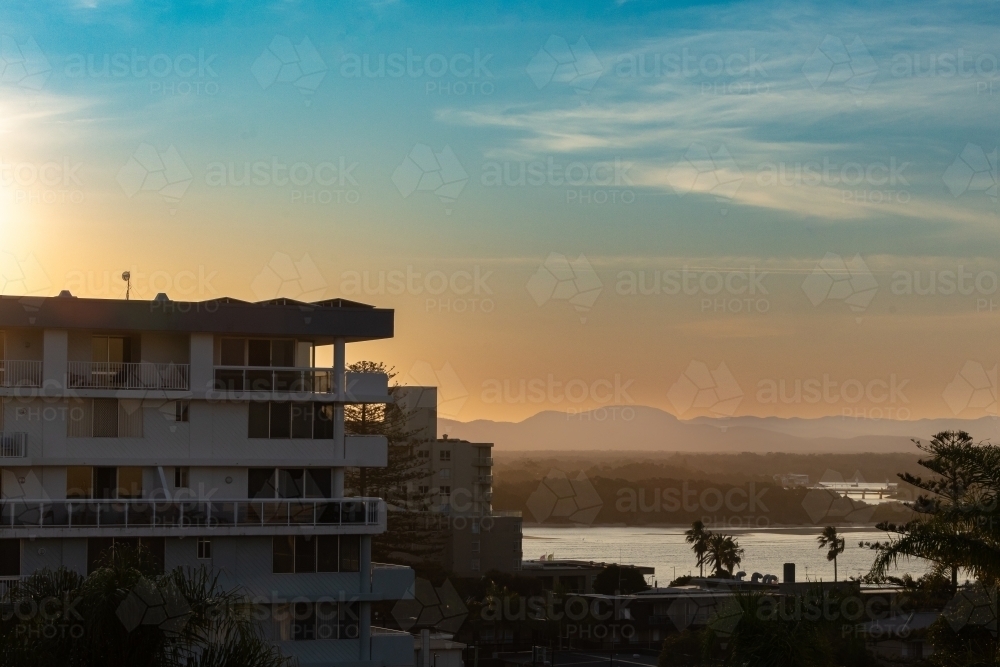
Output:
x,y
458,476
207,433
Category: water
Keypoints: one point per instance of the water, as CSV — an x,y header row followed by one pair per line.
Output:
x,y
665,549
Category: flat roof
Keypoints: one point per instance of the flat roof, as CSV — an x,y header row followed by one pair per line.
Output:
x,y
322,320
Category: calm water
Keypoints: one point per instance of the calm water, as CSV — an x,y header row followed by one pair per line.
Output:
x,y
665,549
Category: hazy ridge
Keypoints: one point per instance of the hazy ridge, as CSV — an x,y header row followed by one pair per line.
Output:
x,y
652,429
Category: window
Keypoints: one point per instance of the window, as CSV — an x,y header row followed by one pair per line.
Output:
x,y
105,482
261,483
111,349
105,418
474,565
445,473
282,420
234,351
423,454
445,490
10,558
423,489
79,482
182,478
315,553
181,409
204,548
445,455
129,482
289,483
304,621
98,547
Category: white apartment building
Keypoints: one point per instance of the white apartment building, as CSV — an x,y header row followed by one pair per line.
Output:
x,y
207,433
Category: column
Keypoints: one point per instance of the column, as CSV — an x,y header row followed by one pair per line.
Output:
x,y
339,364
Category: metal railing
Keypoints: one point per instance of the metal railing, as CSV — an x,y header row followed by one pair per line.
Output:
x,y
483,462
18,373
484,479
268,378
116,375
13,445
6,583
146,513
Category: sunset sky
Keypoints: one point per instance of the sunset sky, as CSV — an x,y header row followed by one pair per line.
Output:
x,y
694,208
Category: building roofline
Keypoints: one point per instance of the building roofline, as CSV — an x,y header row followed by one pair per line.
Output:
x,y
324,320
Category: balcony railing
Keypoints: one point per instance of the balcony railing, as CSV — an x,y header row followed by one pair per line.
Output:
x,y
13,445
6,583
484,462
17,373
484,479
146,513
267,378
357,386
115,375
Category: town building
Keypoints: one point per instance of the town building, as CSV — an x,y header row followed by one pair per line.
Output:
x,y
458,479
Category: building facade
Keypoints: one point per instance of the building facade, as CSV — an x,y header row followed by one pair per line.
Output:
x,y
206,433
458,478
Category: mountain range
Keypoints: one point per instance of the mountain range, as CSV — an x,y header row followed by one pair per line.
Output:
x,y
641,428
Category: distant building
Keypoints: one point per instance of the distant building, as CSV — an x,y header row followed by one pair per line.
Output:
x,y
573,576
792,479
459,478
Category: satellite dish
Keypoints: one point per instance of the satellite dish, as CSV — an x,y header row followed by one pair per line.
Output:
x,y
126,276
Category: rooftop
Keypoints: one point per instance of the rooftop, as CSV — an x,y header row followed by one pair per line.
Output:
x,y
274,317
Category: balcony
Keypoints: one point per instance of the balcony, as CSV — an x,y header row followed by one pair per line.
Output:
x,y
483,462
115,375
13,445
16,373
155,517
484,479
358,387
6,583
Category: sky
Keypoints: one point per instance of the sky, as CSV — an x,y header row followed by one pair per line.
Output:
x,y
718,209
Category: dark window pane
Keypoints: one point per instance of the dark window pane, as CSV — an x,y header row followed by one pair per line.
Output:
x,y
154,547
323,424
96,548
259,352
105,482
327,553
326,620
259,420
348,620
281,420
290,483
283,554
350,553
303,621
234,351
260,483
105,417
305,553
302,418
282,352
10,558
318,483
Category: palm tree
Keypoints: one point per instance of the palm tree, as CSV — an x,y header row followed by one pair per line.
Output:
x,y
829,539
724,553
126,614
697,537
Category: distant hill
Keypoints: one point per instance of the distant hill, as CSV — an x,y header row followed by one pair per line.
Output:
x,y
652,429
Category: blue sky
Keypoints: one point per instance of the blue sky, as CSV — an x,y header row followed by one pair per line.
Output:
x,y
720,136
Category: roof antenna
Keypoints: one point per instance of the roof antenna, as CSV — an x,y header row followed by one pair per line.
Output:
x,y
127,277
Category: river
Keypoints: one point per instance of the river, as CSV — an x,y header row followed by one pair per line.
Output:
x,y
665,549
